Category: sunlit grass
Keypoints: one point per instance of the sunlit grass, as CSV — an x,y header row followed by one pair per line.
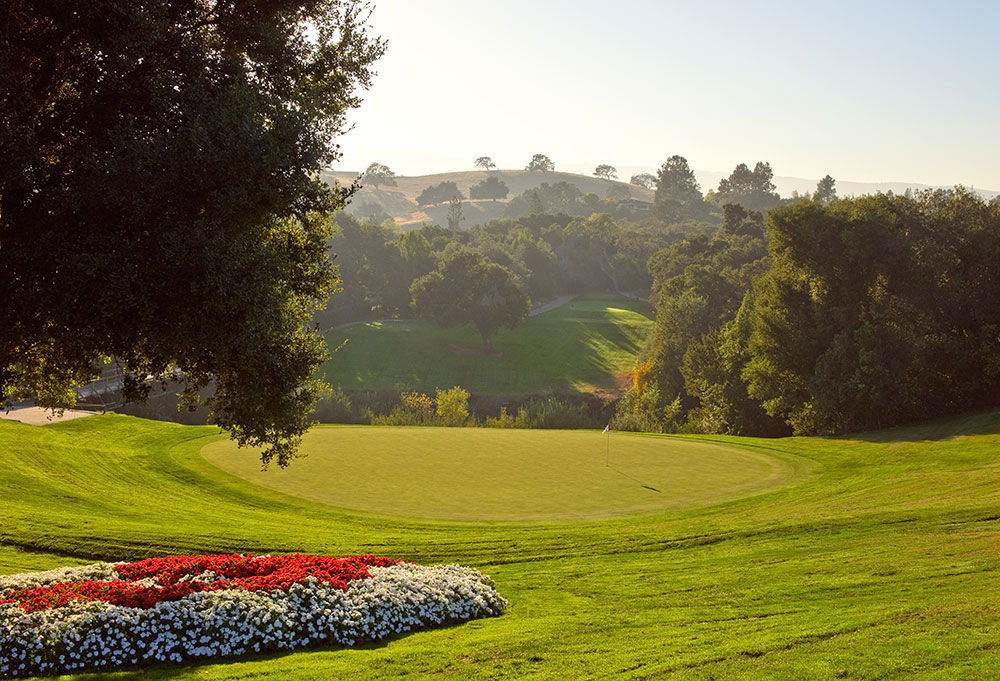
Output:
x,y
881,563
484,474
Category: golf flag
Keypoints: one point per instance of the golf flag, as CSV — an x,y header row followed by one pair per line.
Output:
x,y
607,428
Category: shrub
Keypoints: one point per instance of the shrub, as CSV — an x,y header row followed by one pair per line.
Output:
x,y
505,420
453,406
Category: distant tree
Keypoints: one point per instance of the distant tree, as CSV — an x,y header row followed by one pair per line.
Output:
x,y
606,172
485,162
455,215
825,190
160,199
559,197
439,193
540,162
467,288
752,189
490,188
377,174
647,180
677,192
675,181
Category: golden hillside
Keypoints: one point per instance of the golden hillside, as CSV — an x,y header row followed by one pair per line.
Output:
x,y
400,201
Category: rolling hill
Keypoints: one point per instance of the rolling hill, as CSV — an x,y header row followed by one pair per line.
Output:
x,y
400,201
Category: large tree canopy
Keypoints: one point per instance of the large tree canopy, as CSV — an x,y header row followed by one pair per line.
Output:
x,y
467,288
160,202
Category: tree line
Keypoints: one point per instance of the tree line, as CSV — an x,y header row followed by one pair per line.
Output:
x,y
833,315
386,271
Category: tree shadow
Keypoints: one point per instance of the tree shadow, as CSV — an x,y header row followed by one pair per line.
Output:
x,y
985,422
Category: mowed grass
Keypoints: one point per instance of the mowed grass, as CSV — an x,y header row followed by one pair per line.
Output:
x,y
881,563
484,474
587,345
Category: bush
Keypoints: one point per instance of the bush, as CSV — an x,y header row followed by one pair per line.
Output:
x,y
505,420
453,406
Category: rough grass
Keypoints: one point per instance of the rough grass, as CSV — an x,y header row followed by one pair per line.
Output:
x,y
881,564
587,345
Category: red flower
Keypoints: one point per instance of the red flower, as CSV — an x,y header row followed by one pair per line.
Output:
x,y
248,573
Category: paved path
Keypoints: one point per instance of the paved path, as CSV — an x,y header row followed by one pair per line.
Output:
x,y
558,302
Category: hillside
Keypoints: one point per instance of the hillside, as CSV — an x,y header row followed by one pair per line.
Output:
x,y
400,201
588,345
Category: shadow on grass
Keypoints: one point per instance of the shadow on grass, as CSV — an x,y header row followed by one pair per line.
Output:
x,y
191,668
986,422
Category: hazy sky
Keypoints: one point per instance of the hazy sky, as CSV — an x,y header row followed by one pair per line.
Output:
x,y
866,91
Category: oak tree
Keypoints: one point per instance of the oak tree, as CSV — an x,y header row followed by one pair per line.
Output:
x,y
467,288
160,201
540,162
606,172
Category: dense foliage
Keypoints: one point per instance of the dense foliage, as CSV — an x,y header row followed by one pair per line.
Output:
x,y
549,254
859,313
490,188
159,200
439,193
467,288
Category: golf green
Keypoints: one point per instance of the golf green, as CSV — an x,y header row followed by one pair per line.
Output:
x,y
470,474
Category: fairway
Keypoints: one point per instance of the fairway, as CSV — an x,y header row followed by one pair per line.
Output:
x,y
588,345
470,474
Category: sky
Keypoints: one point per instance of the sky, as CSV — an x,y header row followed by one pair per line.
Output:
x,y
872,91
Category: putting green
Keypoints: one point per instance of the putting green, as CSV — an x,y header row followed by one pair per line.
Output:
x,y
474,474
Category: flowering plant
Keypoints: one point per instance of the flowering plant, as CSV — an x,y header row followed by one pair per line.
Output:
x,y
185,607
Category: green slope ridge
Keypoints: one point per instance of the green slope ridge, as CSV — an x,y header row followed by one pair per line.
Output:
x,y
587,345
881,564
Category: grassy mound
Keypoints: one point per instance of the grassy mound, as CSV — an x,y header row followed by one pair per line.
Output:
x,y
587,345
882,564
480,474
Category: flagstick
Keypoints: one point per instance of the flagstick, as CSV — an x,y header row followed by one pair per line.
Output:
x,y
607,450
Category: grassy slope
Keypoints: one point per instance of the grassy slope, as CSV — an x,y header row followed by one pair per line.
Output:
x,y
882,565
586,345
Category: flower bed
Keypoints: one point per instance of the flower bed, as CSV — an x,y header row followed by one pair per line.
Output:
x,y
188,607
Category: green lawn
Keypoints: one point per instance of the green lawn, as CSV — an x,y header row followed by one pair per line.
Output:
x,y
880,562
587,345
485,474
